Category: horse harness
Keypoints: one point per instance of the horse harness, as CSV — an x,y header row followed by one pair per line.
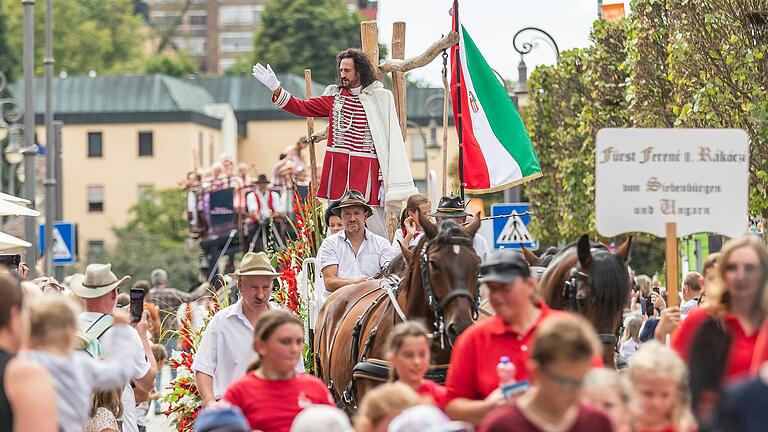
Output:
x,y
376,369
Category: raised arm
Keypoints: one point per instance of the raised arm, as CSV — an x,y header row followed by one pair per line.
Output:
x,y
313,107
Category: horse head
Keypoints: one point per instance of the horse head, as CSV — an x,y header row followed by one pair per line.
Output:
x,y
593,282
446,264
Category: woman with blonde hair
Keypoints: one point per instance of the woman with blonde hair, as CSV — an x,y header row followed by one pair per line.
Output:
x,y
659,395
630,340
382,404
720,337
408,349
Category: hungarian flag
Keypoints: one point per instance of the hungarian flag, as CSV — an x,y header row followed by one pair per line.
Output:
x,y
497,152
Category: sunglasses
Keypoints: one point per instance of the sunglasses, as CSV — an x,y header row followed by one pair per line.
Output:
x,y
568,383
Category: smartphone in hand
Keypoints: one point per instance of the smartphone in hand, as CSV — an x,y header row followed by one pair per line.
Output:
x,y
137,304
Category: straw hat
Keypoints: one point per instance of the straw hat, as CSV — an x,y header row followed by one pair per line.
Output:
x,y
256,264
97,281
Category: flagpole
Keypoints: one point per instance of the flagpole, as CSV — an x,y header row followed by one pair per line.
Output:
x,y
458,97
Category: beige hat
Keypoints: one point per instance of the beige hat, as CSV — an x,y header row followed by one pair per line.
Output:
x,y
97,281
256,264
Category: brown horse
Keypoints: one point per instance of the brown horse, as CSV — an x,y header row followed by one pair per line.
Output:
x,y
439,288
589,279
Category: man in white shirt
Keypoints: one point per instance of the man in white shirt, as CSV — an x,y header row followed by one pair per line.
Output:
x,y
98,289
691,292
452,207
355,254
226,348
262,203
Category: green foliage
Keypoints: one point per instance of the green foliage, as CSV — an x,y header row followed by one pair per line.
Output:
x,y
179,64
155,237
672,63
7,57
299,34
100,35
241,66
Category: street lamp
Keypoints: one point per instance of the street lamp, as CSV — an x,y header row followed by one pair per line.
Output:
x,y
525,48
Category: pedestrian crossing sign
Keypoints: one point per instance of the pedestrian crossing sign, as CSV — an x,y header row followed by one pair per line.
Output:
x,y
510,226
64,248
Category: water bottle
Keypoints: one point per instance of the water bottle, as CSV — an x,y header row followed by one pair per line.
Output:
x,y
509,386
506,371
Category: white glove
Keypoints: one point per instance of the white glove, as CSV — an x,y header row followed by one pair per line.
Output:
x,y
266,76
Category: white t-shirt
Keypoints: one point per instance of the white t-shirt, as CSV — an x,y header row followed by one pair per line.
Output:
x,y
140,367
374,253
226,348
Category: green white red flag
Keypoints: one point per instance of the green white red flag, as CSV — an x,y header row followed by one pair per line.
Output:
x,y
496,149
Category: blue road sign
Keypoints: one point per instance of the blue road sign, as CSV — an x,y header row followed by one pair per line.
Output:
x,y
64,248
512,232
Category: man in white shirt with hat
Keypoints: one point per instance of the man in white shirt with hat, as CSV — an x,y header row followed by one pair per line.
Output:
x,y
226,348
354,254
98,289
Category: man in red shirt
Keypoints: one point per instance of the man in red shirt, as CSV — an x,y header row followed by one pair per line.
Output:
x,y
472,383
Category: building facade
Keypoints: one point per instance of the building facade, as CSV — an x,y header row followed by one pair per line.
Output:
x,y
125,134
218,32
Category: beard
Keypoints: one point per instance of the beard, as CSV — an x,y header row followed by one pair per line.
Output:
x,y
345,83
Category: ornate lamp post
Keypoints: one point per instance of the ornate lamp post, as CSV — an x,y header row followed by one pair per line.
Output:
x,y
524,48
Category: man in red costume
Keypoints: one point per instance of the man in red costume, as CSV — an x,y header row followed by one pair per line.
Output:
x,y
365,150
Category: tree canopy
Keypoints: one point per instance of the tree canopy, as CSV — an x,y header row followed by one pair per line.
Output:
x,y
179,64
672,63
100,35
300,34
155,237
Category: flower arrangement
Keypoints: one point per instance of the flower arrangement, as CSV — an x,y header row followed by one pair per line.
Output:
x,y
184,401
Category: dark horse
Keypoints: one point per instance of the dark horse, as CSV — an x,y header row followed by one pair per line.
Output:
x,y
589,279
439,288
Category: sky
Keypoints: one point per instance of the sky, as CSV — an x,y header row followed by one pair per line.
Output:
x,y
491,24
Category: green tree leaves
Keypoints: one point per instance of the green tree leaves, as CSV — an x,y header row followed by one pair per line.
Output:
x,y
155,237
178,65
299,34
100,35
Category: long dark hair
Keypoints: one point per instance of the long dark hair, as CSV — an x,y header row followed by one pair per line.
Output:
x,y
363,66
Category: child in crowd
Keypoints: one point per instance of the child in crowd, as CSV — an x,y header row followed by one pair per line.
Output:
x,y
630,340
659,391
605,389
561,357
106,409
382,404
408,350
142,410
76,374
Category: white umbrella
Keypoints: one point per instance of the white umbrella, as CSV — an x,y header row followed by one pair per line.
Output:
x,y
8,241
10,209
14,199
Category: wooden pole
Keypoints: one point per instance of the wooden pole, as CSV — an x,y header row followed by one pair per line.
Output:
x,y
310,131
672,271
369,35
398,78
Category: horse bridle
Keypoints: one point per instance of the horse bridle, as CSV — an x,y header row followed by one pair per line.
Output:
x,y
570,296
438,306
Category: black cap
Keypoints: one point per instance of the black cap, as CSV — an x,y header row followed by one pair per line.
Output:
x,y
450,206
504,266
262,179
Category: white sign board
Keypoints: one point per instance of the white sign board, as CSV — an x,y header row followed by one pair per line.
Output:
x,y
697,178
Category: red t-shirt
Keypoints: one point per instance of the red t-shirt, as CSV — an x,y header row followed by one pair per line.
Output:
x,y
472,372
742,345
271,405
510,418
433,390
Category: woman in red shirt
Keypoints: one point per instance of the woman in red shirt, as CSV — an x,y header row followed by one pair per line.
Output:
x,y
271,393
718,340
408,351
